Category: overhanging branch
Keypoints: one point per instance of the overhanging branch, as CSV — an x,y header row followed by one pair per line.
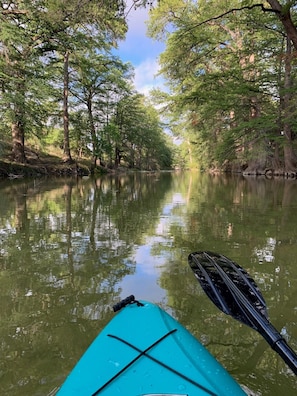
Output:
x,y
233,10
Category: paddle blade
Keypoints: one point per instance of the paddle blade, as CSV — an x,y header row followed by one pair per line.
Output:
x,y
228,285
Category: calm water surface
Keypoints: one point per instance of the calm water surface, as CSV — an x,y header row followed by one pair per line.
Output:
x,y
70,249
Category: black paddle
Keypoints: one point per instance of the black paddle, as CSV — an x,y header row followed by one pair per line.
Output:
x,y
234,292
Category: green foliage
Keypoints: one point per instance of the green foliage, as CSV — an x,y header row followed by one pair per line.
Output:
x,y
31,36
34,38
142,140
228,78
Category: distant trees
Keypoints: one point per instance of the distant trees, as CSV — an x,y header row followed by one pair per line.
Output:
x,y
60,82
231,71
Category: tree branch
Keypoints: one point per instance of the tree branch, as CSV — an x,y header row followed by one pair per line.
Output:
x,y
235,9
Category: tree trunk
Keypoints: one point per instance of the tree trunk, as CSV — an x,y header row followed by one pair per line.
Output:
x,y
288,111
132,156
18,145
18,125
66,153
117,160
189,147
139,158
284,15
276,161
93,131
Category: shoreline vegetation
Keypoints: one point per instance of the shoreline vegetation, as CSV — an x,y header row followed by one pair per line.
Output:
x,y
38,168
40,164
52,165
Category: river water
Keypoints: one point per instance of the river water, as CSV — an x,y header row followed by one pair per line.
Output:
x,y
70,249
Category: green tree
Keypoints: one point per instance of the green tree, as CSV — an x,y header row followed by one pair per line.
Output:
x,y
30,32
284,13
23,77
141,141
98,83
89,26
224,71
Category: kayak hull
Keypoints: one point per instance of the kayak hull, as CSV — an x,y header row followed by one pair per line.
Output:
x,y
144,351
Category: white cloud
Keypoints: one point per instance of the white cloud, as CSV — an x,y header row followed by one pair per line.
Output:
x,y
136,19
146,75
141,51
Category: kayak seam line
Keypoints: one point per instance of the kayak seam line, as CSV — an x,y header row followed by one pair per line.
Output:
x,y
144,353
132,361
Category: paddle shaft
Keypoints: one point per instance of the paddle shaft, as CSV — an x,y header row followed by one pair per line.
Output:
x,y
287,353
276,341
263,326
226,290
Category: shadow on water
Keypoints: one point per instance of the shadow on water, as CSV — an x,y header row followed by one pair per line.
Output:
x,y
70,248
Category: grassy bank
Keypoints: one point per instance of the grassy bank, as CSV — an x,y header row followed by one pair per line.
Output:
x,y
39,164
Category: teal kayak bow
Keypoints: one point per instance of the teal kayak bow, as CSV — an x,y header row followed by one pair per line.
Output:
x,y
143,351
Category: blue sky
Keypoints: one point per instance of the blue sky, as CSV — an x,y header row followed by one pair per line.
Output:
x,y
141,51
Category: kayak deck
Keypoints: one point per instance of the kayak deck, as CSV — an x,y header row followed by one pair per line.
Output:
x,y
144,351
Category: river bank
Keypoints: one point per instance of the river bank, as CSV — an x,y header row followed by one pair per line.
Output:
x,y
39,168
40,164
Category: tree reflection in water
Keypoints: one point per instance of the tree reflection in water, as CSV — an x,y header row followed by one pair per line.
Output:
x,y
71,248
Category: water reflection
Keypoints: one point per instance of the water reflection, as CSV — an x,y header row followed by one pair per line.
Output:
x,y
70,248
